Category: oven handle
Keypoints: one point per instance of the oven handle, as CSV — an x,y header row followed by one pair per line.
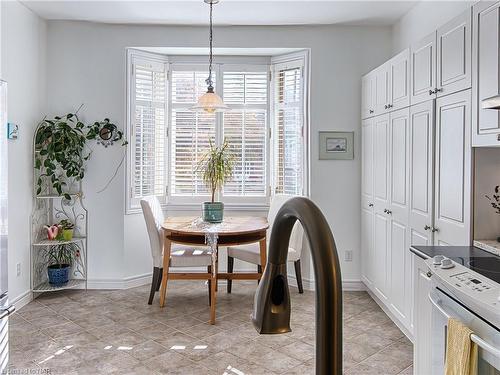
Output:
x,y
475,338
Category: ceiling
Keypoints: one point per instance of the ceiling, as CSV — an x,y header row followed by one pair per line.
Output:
x,y
227,12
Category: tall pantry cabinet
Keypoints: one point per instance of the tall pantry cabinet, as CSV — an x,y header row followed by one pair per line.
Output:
x,y
416,160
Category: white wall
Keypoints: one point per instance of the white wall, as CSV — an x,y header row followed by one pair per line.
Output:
x,y
23,67
424,18
86,64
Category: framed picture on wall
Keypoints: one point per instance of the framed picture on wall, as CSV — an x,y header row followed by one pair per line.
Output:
x,y
336,145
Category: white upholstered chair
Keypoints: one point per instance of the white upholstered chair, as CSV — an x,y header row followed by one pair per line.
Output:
x,y
251,254
180,255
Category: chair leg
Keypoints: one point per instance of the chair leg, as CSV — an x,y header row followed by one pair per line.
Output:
x,y
298,276
209,283
159,280
230,266
259,270
154,283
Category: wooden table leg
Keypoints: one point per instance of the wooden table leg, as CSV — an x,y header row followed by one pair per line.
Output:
x,y
167,244
263,253
213,291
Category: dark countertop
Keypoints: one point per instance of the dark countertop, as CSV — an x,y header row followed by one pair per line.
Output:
x,y
452,252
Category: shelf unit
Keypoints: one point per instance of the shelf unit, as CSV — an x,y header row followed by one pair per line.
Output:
x,y
50,208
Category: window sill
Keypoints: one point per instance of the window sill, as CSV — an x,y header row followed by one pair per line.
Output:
x,y
196,208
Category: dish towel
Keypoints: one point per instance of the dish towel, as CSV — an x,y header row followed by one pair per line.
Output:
x,y
461,352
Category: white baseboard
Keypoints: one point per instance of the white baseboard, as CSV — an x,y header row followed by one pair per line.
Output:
x,y
22,300
347,285
125,283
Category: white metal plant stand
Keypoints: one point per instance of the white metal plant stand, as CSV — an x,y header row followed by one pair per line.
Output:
x,y
50,208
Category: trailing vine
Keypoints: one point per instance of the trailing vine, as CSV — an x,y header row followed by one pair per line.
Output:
x,y
61,152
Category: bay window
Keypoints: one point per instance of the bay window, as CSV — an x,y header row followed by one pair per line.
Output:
x,y
264,129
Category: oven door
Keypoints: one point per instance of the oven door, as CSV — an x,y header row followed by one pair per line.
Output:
x,y
486,336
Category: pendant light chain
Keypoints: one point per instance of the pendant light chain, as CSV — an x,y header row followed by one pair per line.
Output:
x,y
210,58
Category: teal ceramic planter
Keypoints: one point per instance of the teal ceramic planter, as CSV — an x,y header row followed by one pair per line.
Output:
x,y
213,212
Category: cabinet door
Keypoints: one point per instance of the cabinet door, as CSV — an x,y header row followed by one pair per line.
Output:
x,y
454,55
382,90
421,173
400,80
423,69
453,170
422,318
368,96
367,205
381,201
485,72
399,258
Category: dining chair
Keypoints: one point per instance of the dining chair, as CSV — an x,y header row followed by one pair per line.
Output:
x,y
180,255
251,253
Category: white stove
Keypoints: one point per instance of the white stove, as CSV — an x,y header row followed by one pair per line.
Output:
x,y
474,299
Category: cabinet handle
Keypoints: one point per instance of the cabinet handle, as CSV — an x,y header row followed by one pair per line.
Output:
x,y
433,229
429,274
436,90
370,204
427,227
388,212
385,106
498,137
389,106
371,111
432,92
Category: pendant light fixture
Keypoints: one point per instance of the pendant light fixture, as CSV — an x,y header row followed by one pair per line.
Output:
x,y
210,102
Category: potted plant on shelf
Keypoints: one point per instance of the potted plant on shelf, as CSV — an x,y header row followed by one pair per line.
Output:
x,y
67,229
60,259
216,167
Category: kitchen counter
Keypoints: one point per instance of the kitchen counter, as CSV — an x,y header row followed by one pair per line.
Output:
x,y
452,252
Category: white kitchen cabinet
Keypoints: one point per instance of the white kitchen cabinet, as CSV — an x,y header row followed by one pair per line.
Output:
x,y
399,80
485,72
422,322
453,72
381,203
423,69
453,163
399,258
368,96
421,171
382,89
367,213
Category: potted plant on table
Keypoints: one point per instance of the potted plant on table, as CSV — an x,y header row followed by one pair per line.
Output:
x,y
60,259
216,167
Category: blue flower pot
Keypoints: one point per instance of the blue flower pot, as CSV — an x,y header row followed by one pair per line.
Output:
x,y
213,212
58,274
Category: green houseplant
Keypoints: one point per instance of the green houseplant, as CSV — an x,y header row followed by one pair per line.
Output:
x,y
67,229
60,259
216,167
61,152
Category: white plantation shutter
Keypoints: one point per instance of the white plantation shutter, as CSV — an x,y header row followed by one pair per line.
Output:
x,y
288,153
148,114
191,132
245,129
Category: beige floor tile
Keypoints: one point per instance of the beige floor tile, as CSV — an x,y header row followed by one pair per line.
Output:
x,y
168,362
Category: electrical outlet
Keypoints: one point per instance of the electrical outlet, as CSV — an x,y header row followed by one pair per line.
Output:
x,y
18,269
348,256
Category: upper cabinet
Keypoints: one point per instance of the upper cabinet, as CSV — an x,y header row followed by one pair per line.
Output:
x,y
423,69
454,55
386,88
399,77
441,62
486,72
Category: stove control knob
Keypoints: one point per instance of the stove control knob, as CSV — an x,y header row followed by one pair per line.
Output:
x,y
437,260
447,263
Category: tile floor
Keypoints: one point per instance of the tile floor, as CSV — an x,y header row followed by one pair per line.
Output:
x,y
116,332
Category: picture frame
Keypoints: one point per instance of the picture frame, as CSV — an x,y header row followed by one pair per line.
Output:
x,y
336,145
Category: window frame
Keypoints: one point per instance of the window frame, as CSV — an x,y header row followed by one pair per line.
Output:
x,y
224,63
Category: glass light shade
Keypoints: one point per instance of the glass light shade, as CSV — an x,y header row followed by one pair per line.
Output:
x,y
210,102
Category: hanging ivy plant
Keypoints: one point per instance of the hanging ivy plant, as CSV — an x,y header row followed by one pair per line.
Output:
x,y
61,152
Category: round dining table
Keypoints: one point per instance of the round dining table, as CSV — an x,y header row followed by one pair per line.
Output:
x,y
233,231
